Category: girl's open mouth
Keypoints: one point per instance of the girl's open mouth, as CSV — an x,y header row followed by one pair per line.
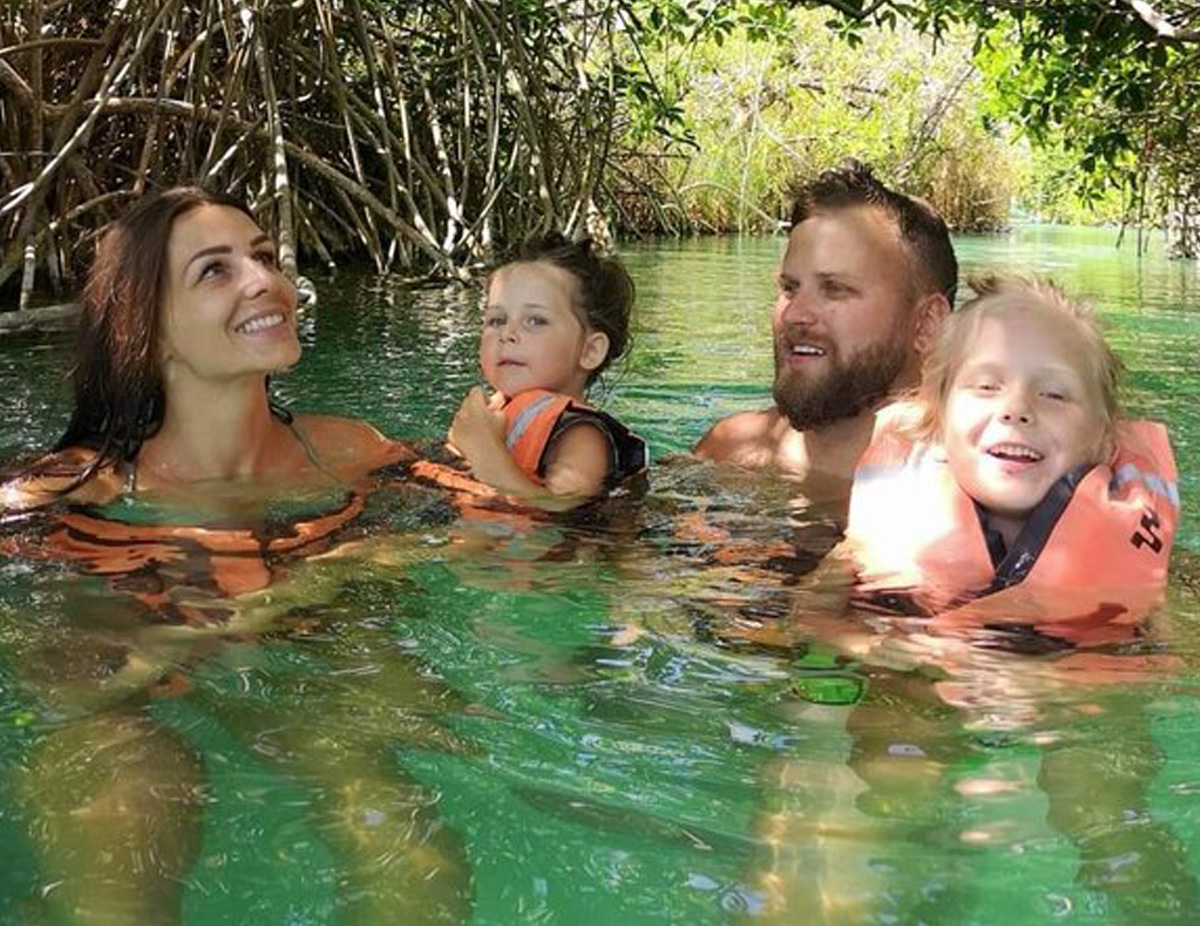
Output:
x,y
1015,453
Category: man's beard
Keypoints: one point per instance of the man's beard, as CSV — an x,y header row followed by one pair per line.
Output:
x,y
843,391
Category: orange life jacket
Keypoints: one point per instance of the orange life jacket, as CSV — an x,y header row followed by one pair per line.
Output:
x,y
235,561
535,419
1096,545
151,561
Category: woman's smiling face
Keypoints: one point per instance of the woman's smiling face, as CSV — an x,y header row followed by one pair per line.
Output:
x,y
1023,409
228,310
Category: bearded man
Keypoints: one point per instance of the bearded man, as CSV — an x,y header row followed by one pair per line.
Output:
x,y
867,277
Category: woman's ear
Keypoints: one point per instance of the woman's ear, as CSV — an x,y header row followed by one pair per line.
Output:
x,y
595,349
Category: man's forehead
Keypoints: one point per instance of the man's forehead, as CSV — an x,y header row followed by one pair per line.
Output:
x,y
850,232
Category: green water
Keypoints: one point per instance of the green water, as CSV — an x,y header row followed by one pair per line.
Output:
x,y
616,727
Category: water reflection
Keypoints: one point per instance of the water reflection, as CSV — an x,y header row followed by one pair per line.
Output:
x,y
911,762
113,799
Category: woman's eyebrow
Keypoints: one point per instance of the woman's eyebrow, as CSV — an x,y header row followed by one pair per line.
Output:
x,y
207,252
226,249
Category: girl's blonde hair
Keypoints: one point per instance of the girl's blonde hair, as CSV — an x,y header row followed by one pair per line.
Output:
x,y
995,294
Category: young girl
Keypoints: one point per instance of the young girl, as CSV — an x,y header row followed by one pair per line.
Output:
x,y
556,318
1011,469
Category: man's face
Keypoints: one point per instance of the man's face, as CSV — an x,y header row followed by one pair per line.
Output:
x,y
845,319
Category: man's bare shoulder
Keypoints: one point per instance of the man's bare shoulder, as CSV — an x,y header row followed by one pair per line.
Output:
x,y
749,439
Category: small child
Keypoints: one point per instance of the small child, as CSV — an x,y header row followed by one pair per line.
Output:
x,y
1011,467
556,318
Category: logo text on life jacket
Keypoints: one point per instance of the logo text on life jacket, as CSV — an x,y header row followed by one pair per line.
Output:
x,y
1147,535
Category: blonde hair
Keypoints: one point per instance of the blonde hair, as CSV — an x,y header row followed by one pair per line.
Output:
x,y
995,294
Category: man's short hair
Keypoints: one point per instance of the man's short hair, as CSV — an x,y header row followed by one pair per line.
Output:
x,y
924,233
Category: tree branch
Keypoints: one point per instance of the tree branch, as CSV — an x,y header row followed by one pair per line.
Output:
x,y
1160,24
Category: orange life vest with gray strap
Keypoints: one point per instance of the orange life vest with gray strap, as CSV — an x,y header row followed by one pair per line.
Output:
x,y
1097,543
534,420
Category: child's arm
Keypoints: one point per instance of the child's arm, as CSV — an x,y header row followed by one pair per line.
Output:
x,y
575,471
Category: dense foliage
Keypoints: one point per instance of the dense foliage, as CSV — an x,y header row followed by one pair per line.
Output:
x,y
418,133
766,106
424,134
1082,109
1111,83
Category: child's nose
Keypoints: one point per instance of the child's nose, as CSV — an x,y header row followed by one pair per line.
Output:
x,y
1017,410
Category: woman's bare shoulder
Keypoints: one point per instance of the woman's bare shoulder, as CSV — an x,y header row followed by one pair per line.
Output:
x,y
349,442
56,477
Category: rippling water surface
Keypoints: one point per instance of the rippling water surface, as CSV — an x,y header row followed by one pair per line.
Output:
x,y
649,715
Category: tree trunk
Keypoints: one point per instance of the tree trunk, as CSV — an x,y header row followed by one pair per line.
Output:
x,y
1183,222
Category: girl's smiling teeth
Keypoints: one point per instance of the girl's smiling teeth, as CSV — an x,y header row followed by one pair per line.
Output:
x,y
1018,453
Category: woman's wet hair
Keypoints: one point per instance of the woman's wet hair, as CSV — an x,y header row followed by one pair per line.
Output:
x,y
605,291
117,377
998,294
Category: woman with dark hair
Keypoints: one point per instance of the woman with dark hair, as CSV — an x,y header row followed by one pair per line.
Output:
x,y
185,315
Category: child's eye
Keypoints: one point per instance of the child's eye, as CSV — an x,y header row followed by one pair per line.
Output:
x,y
493,321
536,321
1054,395
986,386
